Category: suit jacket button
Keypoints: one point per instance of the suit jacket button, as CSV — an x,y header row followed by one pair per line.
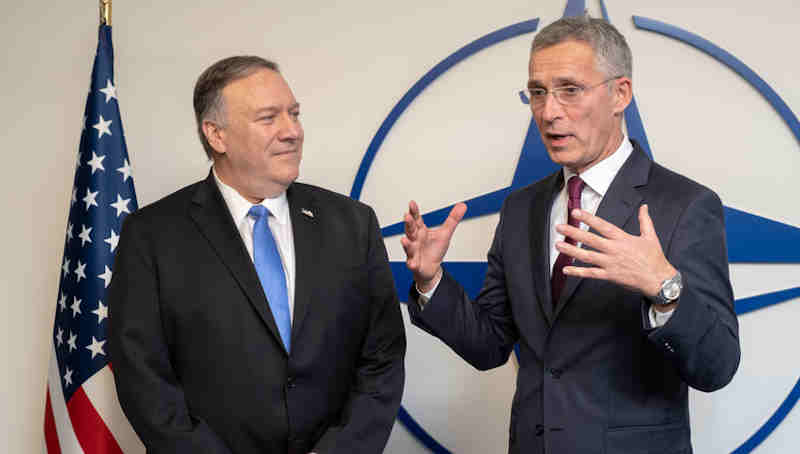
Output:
x,y
290,383
556,373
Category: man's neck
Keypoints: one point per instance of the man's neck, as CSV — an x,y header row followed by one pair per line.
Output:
x,y
254,196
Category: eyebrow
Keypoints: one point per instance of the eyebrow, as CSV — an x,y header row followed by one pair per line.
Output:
x,y
263,110
559,82
274,109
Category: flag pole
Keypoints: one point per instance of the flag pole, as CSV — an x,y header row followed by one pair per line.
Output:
x,y
105,12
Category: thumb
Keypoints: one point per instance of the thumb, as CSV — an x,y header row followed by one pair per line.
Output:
x,y
455,216
646,227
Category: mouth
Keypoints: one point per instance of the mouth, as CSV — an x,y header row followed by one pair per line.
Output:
x,y
557,139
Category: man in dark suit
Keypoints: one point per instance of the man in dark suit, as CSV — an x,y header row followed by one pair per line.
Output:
x,y
250,313
611,273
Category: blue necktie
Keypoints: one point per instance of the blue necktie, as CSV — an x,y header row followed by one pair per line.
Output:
x,y
270,272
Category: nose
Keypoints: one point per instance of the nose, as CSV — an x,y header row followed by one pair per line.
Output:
x,y
290,129
551,109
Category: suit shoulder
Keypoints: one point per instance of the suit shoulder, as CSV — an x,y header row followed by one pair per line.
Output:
x,y
331,200
170,206
677,187
527,193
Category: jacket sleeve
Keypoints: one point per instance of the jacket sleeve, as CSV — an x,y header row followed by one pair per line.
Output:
x,y
701,337
374,399
149,391
482,332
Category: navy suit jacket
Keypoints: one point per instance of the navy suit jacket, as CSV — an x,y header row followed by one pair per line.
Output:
x,y
593,376
198,361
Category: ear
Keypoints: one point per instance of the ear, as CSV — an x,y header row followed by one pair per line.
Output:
x,y
214,135
623,93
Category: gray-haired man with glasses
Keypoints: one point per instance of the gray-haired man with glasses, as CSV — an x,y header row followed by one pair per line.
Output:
x,y
611,274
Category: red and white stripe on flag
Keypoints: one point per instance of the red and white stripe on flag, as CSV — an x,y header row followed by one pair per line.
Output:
x,y
92,422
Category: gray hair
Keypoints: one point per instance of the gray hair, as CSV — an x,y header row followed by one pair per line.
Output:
x,y
208,101
612,51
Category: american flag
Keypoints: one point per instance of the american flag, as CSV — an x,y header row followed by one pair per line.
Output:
x,y
82,413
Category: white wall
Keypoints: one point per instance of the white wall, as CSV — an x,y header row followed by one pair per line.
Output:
x,y
348,64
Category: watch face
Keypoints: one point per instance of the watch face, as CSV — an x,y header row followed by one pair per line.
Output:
x,y
671,290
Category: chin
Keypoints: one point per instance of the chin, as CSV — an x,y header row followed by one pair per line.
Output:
x,y
289,177
560,156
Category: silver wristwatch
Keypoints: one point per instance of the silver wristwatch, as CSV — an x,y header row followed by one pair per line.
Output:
x,y
670,290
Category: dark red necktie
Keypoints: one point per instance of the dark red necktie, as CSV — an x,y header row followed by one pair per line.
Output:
x,y
574,189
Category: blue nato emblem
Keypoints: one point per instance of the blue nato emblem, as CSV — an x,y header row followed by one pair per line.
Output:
x,y
751,238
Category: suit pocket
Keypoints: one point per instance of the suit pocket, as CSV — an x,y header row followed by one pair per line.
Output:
x,y
655,439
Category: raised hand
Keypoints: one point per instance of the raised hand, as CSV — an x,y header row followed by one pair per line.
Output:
x,y
635,262
426,247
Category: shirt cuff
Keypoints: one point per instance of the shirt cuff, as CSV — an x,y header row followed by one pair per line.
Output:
x,y
423,298
659,319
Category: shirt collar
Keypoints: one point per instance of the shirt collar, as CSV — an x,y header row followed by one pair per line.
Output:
x,y
600,175
239,206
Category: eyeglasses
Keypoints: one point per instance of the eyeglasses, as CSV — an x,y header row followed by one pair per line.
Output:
x,y
565,95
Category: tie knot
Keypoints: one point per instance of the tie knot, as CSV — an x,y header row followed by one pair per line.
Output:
x,y
258,211
575,187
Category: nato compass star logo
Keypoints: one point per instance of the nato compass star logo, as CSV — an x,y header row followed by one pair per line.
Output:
x,y
751,238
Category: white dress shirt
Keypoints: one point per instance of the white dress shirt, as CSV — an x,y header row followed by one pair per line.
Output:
x,y
597,178
279,223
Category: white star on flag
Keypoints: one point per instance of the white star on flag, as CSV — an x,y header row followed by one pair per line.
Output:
x,y
113,240
90,198
96,347
121,205
110,91
65,267
60,337
76,306
68,376
101,312
125,170
79,271
71,341
69,231
84,235
63,301
96,162
102,127
74,196
106,276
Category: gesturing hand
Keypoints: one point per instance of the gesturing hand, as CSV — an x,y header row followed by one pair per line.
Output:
x,y
425,247
636,262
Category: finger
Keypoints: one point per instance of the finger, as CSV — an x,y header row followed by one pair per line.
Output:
x,y
646,226
409,226
602,226
587,272
412,259
407,246
413,209
582,236
455,216
584,255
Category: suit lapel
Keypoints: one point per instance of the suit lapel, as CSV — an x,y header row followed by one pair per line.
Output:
x,y
304,214
212,217
539,223
619,204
